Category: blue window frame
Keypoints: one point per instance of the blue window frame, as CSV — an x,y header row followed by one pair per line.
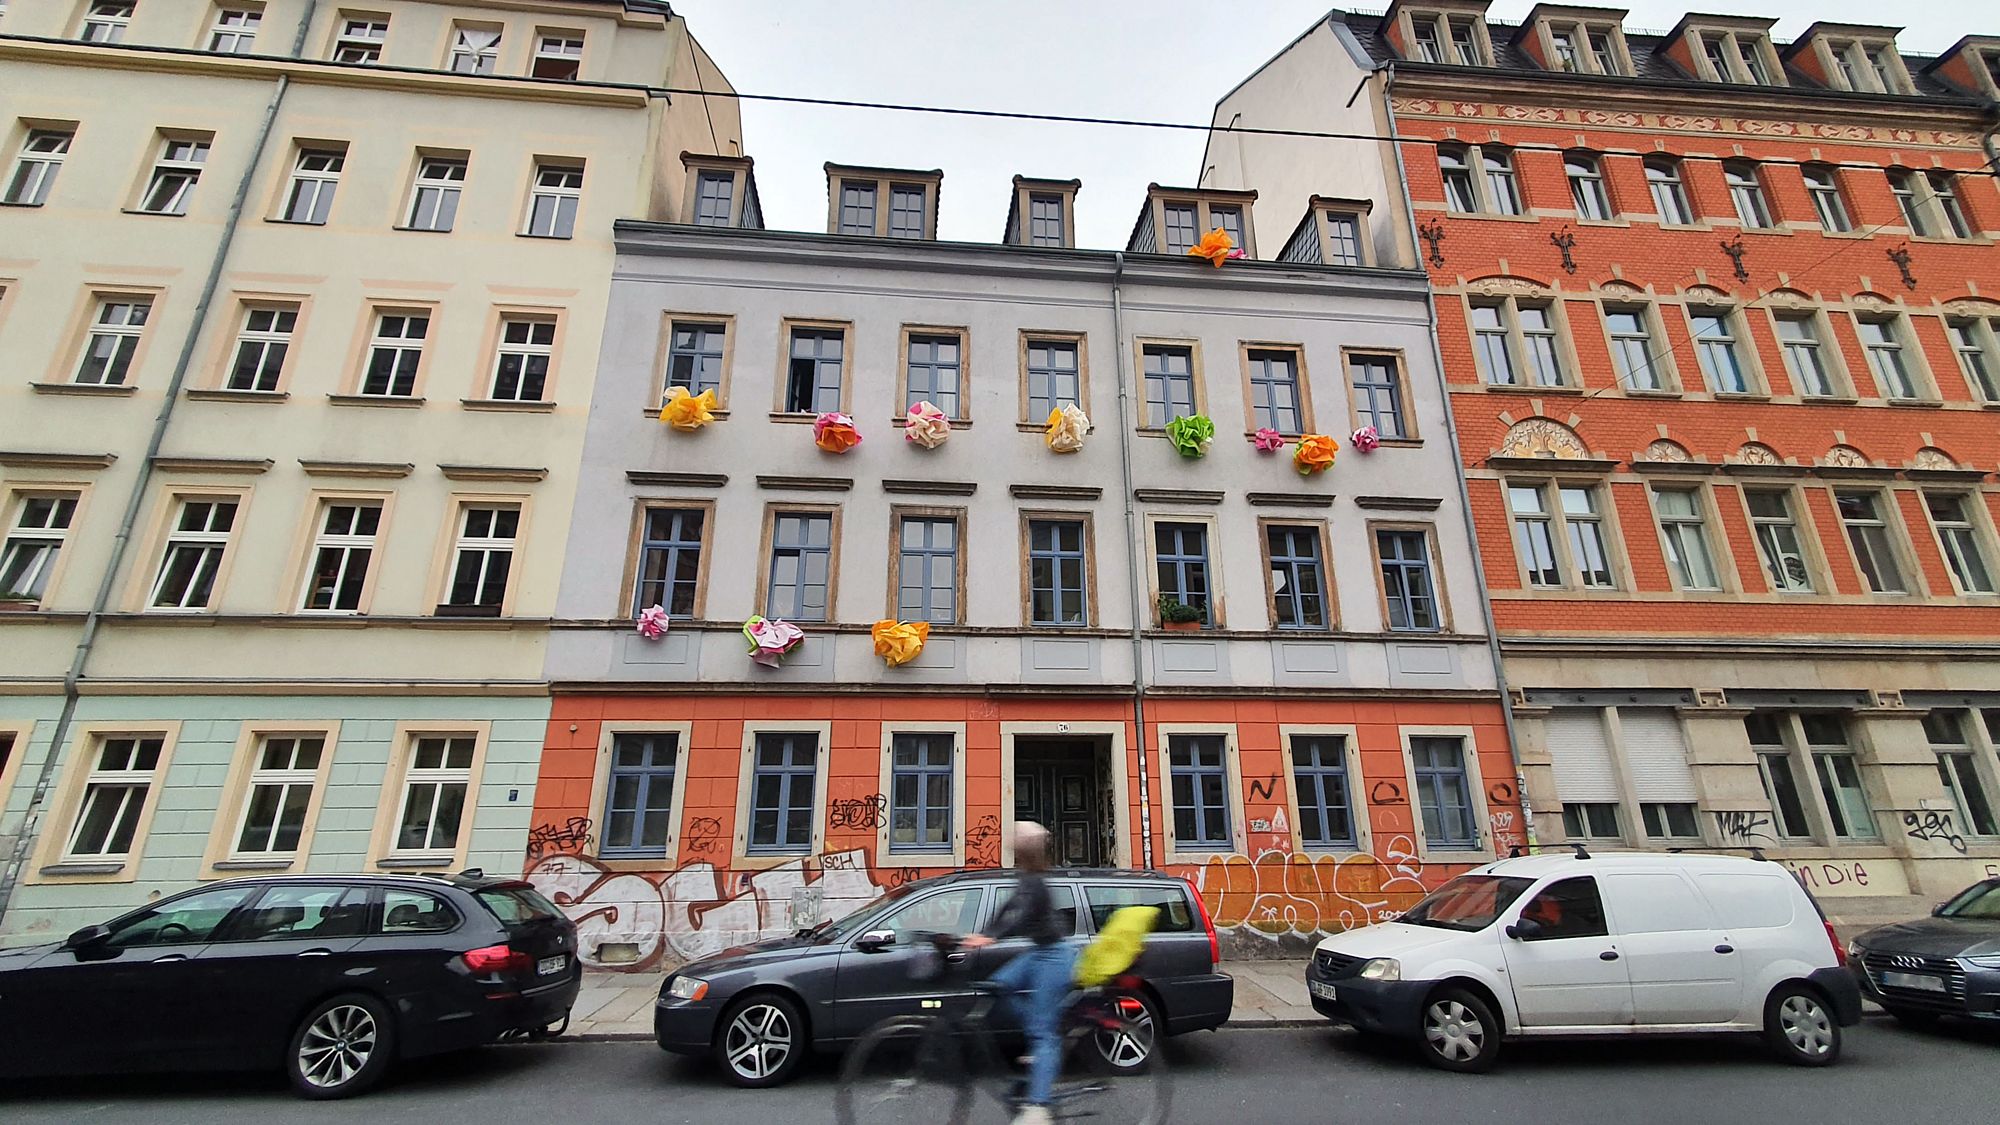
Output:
x,y
1319,772
1054,378
670,560
932,373
694,357
1058,573
927,570
1406,581
920,785
1298,580
1180,551
1199,768
639,794
1274,391
1169,383
1444,792
812,384
801,559
1378,393
784,775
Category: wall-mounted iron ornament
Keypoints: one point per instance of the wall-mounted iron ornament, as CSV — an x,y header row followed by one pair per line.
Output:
x,y
1901,256
1433,234
1565,241
1736,250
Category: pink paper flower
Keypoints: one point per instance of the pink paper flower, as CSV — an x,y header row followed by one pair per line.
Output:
x,y
1268,440
770,639
1366,439
926,425
653,623
835,432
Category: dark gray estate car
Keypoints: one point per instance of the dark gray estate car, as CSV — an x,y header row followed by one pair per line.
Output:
x,y
759,1008
1945,965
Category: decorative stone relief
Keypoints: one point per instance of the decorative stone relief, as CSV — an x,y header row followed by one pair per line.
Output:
x,y
1845,457
1542,437
1507,287
1788,298
1621,288
1872,301
1666,450
1931,457
1972,306
1757,453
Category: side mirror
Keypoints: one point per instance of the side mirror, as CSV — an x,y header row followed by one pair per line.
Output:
x,y
85,938
1938,910
875,941
1527,929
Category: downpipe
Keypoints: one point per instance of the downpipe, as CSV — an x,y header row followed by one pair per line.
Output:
x,y
1132,547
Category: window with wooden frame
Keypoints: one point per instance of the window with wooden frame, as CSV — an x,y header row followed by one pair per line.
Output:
x,y
1042,213
1584,46
1736,54
316,171
106,21
1275,387
934,370
1559,534
1669,191
435,191
1447,36
719,191
1683,517
1976,341
195,545
643,784
522,357
1479,180
1184,568
1412,597
926,793
117,328
1379,394
1897,365
272,799
1059,570
1642,362
1298,580
1171,381
813,367
927,564
786,791
1722,351
1198,784
1813,365
1176,219
1862,64
553,199
475,49
1962,537
1518,342
802,553
1333,232
1780,541
344,549
1445,791
1324,775
558,55
482,559
430,796
670,567
360,39
1870,519
395,355
1585,171
1746,192
698,351
112,788
1829,203
1055,372
882,202
233,30
36,165
263,341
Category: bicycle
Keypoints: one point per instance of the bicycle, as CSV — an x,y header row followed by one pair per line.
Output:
x,y
925,1068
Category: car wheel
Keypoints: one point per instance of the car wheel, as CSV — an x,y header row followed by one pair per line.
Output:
x,y
762,1040
1460,1032
341,1048
1129,1047
1916,1019
1800,1027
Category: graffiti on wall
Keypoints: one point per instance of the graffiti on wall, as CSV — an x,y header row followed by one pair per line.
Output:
x,y
1934,827
1278,894
572,835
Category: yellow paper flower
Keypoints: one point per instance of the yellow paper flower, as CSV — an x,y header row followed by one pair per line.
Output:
x,y
684,411
1067,425
899,642
1314,454
1216,246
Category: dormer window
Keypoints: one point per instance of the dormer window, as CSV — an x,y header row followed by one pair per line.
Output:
x,y
1607,50
720,192
1334,232
1741,55
1042,213
1564,42
882,202
1175,219
1441,37
1869,66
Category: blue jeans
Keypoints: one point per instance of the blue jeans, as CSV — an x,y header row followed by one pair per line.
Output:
x,y
1042,975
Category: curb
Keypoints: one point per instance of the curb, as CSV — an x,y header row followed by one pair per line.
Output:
x,y
647,1036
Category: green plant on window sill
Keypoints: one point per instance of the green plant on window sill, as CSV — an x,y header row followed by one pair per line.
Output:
x,y
1178,616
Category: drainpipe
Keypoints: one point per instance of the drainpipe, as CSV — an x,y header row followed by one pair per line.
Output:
x,y
17,861
1458,463
1132,545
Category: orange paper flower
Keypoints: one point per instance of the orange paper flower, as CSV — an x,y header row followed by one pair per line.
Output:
x,y
684,411
835,432
1216,246
899,642
1314,454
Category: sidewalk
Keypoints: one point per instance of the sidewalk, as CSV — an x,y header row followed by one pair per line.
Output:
x,y
620,1005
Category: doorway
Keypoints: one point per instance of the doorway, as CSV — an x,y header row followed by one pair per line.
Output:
x,y
1064,785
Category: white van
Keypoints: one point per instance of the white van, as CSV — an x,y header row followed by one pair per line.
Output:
x,y
1596,944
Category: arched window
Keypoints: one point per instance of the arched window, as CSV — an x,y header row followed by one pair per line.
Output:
x,y
1586,185
1663,177
1746,191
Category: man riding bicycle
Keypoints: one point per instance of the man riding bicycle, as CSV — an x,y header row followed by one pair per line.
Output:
x,y
1041,974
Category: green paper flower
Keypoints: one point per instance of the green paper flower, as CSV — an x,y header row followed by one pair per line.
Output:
x,y
1191,434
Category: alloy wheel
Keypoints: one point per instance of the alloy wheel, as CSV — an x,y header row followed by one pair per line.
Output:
x,y
758,1041
1454,1031
1806,1025
1132,1044
337,1046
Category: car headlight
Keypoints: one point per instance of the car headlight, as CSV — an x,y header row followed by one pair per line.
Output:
x,y
1984,961
1382,968
687,988
1854,950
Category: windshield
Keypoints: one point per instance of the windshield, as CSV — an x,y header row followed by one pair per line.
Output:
x,y
1982,901
855,922
1469,902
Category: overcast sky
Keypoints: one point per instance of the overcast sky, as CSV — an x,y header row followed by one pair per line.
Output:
x,y
1153,59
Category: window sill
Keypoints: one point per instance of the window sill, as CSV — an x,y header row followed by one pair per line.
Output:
x,y
1941,240
219,394
1493,217
415,862
422,230
71,867
392,401
155,214
1828,400
1402,443
1741,396
547,237
1533,389
901,421
508,405
17,203
1686,226
653,412
1824,233
1583,222
1650,392
1781,231
20,605
467,611
254,864
290,223
1920,403
87,390
792,417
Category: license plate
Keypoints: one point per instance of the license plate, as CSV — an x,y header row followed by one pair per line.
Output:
x,y
548,965
1322,991
1918,982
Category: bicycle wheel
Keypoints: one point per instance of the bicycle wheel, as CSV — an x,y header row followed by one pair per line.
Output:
x,y
905,1069
1095,1085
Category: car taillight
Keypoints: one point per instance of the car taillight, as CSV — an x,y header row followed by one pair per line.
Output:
x,y
1207,923
497,959
1839,950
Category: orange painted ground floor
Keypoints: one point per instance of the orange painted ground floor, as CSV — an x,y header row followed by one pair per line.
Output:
x,y
674,825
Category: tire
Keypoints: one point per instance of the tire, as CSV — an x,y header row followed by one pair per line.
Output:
x,y
1800,1026
1916,1019
761,1041
341,1048
904,1069
1094,1086
1131,1048
1459,1032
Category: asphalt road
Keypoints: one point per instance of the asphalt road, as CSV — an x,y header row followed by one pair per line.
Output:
x,y
1307,1075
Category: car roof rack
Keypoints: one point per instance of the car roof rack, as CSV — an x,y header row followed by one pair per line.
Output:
x,y
1756,852
1519,850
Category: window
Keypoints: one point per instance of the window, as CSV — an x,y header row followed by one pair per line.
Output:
x,y
1903,185
1565,52
558,55
552,209
521,367
1197,765
1946,201
1180,554
1586,186
1594,820
114,338
1298,577
1746,191
1977,343
1180,227
1715,350
801,564
1512,336
1778,541
1054,377
261,347
639,794
1274,391
1668,820
1753,61
190,921
315,175
1444,792
1502,196
1767,732
931,373
1959,537
1602,51
115,794
434,199
906,211
1169,372
1632,349
435,789
1343,238
234,31
1175,916
1058,590
1684,531
1319,772
174,175
1715,50
1798,335
782,783
1826,200
1568,908
1670,198
1465,43
1459,194
670,561
1405,557
482,560
280,794
1428,49
715,199
1378,393
814,375
413,912
318,912
1959,771
36,167
1847,809
920,792
927,569
1868,535
195,546
41,524
474,50
1045,220
343,550
694,356
1230,221
857,207
1550,554
360,41
105,21
1883,343
394,354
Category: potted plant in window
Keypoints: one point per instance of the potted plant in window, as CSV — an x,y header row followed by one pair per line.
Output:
x,y
1178,617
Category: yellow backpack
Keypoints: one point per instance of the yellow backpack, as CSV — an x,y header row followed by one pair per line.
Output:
x,y
1117,944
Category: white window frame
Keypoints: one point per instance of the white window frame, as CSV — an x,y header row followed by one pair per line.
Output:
x,y
378,341
1657,363
1829,202
487,547
1665,179
278,335
1768,531
1886,515
36,165
403,773
106,21
177,170
554,45
284,780
1525,370
439,179
1975,340
1673,545
1816,344
211,547
1970,536
315,178
559,187
43,542
346,544
238,37
1747,195
1481,177
1557,521
123,336
525,351
469,54
360,40
95,774
1896,350
1587,189
1738,348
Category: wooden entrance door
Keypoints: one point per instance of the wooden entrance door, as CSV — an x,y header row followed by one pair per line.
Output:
x,y
1057,785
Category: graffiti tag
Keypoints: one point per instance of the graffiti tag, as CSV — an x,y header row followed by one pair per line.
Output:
x,y
572,835
1386,793
860,812
1743,829
703,832
1934,826
982,842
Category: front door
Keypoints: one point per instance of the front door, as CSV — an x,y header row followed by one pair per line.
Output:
x,y
1059,785
1566,968
295,946
876,981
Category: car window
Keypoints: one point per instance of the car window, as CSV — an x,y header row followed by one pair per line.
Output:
x,y
414,912
184,921
1978,901
955,911
1175,916
301,912
1750,902
1569,908
1655,902
514,905
1062,900
1469,902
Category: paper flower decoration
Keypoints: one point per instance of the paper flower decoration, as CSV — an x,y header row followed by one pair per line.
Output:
x,y
771,638
1268,440
1366,439
1190,434
899,642
1067,425
835,432
1216,246
684,411
652,623
1314,454
926,425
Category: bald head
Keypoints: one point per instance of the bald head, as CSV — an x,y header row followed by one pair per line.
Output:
x,y
1031,845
